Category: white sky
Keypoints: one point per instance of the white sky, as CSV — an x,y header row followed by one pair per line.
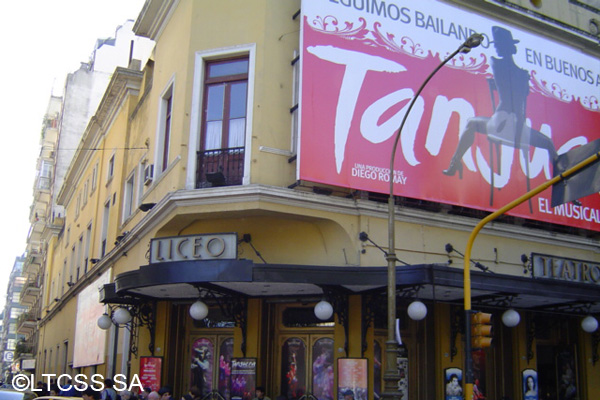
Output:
x,y
42,41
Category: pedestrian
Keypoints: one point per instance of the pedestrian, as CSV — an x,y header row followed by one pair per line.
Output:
x,y
196,392
144,393
108,393
260,393
166,393
127,395
153,396
90,394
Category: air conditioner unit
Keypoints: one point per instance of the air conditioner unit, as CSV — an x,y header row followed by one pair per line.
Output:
x,y
148,174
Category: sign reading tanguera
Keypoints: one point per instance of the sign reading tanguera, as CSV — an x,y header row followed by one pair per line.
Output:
x,y
193,247
567,269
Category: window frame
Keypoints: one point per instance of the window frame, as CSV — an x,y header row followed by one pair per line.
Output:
x,y
201,58
129,190
164,128
227,81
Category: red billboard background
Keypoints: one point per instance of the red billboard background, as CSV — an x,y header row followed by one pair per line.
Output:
x,y
348,142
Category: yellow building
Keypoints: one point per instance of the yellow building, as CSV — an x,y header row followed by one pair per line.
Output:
x,y
202,187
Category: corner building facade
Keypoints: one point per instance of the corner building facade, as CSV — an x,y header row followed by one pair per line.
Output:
x,y
187,198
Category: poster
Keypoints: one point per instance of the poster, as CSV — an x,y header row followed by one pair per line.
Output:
x,y
566,375
150,372
453,384
479,383
202,364
243,378
322,369
293,368
530,384
474,138
225,355
353,377
90,342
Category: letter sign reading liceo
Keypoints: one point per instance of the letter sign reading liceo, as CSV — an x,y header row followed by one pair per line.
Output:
x,y
193,247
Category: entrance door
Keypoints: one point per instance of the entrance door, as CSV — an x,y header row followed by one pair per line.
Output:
x,y
306,366
210,363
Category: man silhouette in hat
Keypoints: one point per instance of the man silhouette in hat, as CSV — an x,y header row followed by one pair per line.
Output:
x,y
508,120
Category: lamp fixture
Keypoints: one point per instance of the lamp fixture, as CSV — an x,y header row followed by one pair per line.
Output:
x,y
104,322
589,324
449,249
364,237
144,207
198,310
417,310
511,318
323,310
121,316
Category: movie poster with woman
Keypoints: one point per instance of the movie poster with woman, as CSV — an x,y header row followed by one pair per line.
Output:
x,y
530,384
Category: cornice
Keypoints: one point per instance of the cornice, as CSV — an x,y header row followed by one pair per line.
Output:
x,y
154,17
124,83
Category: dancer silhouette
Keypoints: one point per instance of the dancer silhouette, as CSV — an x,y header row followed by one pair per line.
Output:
x,y
508,120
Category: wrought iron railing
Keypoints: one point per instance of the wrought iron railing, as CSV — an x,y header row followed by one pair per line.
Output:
x,y
222,167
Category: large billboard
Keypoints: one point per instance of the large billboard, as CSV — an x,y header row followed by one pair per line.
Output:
x,y
90,340
485,122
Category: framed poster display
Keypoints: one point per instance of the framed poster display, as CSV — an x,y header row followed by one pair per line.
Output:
x,y
529,383
243,378
453,384
353,378
150,372
566,371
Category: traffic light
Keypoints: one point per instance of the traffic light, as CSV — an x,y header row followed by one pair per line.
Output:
x,y
481,330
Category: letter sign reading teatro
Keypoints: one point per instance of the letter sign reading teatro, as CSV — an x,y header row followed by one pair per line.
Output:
x,y
193,247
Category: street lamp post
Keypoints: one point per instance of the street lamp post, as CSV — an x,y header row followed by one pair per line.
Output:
x,y
391,375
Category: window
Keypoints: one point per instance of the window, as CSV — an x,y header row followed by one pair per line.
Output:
x,y
45,175
226,88
164,138
128,196
221,157
72,264
111,168
79,257
61,280
94,177
86,192
78,205
88,243
105,217
140,175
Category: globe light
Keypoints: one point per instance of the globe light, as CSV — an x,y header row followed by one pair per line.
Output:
x,y
121,316
589,324
323,310
417,310
198,310
511,318
104,322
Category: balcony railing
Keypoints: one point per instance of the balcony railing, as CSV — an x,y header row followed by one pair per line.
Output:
x,y
222,167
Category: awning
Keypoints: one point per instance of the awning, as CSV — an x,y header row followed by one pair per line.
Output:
x,y
184,280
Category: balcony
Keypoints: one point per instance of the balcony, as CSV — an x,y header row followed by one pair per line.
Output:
x,y
30,292
222,167
27,324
